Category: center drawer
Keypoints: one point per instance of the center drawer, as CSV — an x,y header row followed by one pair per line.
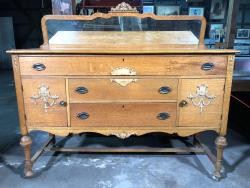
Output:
x,y
121,114
82,90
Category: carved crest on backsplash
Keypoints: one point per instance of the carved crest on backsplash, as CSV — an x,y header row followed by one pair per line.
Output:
x,y
123,7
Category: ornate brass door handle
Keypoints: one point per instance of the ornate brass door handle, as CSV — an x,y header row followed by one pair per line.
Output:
x,y
201,98
123,71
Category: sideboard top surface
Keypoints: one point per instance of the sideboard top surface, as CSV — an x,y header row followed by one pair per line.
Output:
x,y
117,39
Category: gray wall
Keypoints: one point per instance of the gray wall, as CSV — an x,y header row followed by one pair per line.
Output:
x,y
6,41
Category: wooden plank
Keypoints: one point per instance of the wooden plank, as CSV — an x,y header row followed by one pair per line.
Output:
x,y
19,94
233,9
181,50
123,115
114,39
42,149
143,65
105,89
227,94
128,150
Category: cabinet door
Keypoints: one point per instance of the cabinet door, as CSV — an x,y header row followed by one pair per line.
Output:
x,y
42,99
200,102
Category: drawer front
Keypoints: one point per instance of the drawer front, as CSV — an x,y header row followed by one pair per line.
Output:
x,y
117,115
142,65
204,102
42,102
81,90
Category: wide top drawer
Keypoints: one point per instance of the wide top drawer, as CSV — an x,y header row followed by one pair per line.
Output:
x,y
140,65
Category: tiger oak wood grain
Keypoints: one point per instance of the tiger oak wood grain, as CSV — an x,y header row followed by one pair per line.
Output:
x,y
144,38
128,110
123,115
104,89
190,115
142,64
35,112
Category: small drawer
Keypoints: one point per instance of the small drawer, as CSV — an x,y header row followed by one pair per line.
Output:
x,y
125,114
140,64
81,90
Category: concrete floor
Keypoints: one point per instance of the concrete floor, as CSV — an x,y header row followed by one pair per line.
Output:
x,y
112,171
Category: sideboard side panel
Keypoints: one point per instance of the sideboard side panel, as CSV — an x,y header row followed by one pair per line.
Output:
x,y
227,94
19,94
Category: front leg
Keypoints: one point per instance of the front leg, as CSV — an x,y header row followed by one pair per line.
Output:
x,y
26,144
220,142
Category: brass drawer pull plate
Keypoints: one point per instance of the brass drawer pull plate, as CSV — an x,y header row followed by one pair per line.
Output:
x,y
201,98
207,66
45,97
123,71
39,67
81,90
163,116
83,115
164,90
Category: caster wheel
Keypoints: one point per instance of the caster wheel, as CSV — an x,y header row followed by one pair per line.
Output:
x,y
215,178
28,174
222,170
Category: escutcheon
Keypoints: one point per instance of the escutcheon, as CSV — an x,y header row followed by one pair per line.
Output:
x,y
123,71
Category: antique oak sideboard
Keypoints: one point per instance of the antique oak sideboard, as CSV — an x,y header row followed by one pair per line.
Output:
x,y
123,74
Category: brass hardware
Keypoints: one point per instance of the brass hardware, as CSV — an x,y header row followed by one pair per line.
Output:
x,y
207,66
164,90
83,115
123,71
163,116
63,103
183,103
123,7
123,135
81,90
39,67
45,97
201,98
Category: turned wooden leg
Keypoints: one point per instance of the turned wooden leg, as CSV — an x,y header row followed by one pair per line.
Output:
x,y
220,142
26,144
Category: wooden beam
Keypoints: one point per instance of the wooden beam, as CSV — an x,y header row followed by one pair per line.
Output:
x,y
127,150
233,9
